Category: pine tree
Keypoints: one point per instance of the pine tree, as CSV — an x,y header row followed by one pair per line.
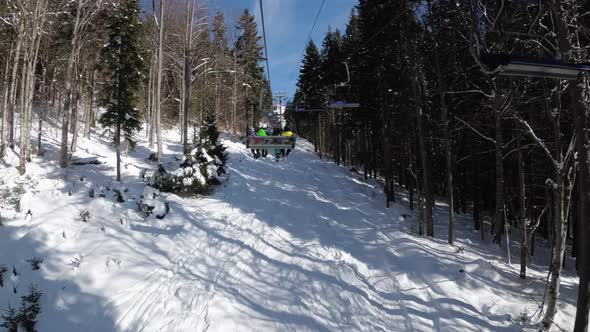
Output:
x,y
220,32
122,65
309,80
30,309
210,142
10,319
332,70
223,65
351,40
249,54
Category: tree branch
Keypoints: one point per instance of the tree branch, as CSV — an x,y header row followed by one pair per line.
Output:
x,y
491,140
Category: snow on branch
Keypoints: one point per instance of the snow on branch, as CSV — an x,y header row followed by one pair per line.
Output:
x,y
540,142
492,95
476,131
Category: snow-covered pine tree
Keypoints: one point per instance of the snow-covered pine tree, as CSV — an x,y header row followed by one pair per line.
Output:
x,y
10,319
30,309
210,142
122,65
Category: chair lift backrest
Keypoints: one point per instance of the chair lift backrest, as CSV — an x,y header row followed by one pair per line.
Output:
x,y
271,142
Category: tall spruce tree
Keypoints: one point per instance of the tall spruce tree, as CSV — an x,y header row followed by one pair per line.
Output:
x,y
122,66
249,54
332,70
309,80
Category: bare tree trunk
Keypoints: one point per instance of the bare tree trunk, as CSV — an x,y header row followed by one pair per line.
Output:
x,y
89,108
522,210
447,141
13,84
4,106
118,149
22,160
582,144
499,215
234,110
77,99
46,91
427,187
158,102
38,20
187,72
576,96
152,107
559,233
63,160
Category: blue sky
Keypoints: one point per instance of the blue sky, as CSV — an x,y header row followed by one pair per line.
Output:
x,y
288,23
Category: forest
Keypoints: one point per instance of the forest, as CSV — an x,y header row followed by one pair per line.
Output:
x,y
435,121
439,122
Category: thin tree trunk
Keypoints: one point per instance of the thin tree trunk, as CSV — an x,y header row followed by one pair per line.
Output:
x,y
522,201
427,187
152,107
90,110
63,161
75,110
13,84
23,111
46,91
118,149
559,233
187,72
446,140
235,100
4,106
29,66
499,216
159,83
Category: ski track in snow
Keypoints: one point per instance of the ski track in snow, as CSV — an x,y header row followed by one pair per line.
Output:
x,y
297,245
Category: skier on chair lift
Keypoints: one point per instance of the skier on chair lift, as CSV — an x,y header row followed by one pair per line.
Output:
x,y
286,133
261,133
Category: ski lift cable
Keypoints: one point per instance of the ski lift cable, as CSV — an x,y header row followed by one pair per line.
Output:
x,y
310,33
264,38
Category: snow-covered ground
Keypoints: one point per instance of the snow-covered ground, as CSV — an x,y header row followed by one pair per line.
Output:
x,y
297,245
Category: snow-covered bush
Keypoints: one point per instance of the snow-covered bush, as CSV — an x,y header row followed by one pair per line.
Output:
x,y
151,203
83,215
12,196
35,263
120,194
201,168
197,172
162,180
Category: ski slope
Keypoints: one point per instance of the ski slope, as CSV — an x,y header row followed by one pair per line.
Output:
x,y
298,245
